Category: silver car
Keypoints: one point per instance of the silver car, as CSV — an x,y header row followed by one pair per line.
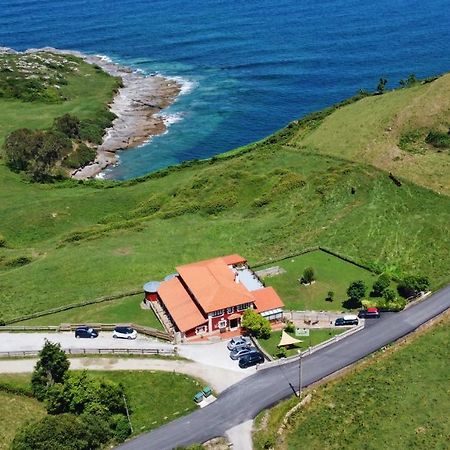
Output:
x,y
239,341
241,351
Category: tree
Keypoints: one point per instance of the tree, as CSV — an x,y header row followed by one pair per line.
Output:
x,y
410,81
380,285
381,85
20,146
413,284
330,296
51,368
389,295
255,324
63,432
356,292
308,275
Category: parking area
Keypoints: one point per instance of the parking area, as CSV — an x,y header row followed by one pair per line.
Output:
x,y
214,354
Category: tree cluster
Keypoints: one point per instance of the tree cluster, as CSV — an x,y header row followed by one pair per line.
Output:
x,y
84,412
255,324
412,285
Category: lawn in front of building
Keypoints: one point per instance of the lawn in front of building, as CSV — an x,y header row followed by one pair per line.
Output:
x,y
316,336
124,310
331,274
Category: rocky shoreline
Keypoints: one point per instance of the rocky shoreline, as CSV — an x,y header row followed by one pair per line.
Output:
x,y
137,105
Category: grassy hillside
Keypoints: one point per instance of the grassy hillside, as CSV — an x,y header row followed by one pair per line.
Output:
x,y
399,401
75,241
372,129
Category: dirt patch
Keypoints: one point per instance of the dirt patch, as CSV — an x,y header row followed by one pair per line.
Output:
x,y
123,251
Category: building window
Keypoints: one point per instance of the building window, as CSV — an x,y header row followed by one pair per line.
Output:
x,y
222,324
230,310
217,313
201,330
243,306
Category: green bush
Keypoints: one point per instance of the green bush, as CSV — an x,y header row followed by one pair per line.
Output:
x,y
18,262
438,139
413,284
2,241
389,295
80,157
290,327
120,427
68,125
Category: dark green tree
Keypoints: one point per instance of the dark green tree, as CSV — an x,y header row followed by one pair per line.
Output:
x,y
330,296
356,292
413,284
308,275
20,147
51,368
381,85
380,285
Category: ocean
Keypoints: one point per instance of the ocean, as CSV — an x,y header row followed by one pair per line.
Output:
x,y
247,68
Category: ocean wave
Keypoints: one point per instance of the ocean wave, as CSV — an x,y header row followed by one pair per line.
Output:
x,y
187,86
170,119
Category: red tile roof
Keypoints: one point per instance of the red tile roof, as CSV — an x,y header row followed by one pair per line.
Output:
x,y
234,260
180,305
213,283
266,299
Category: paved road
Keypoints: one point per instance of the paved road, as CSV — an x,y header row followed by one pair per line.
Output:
x,y
243,401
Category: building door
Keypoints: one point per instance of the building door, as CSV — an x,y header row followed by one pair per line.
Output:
x,y
234,323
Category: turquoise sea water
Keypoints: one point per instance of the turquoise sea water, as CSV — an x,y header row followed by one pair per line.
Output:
x,y
248,68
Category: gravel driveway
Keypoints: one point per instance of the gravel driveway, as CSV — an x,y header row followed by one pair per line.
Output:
x,y
35,341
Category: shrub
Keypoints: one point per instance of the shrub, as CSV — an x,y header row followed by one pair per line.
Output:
x,y
389,295
120,427
290,327
80,157
438,139
259,202
68,125
2,241
281,352
18,262
330,296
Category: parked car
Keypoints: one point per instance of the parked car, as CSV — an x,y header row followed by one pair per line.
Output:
x,y
124,333
369,313
349,319
239,341
251,359
241,351
85,332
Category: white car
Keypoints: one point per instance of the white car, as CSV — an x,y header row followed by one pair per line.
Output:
x,y
239,341
124,333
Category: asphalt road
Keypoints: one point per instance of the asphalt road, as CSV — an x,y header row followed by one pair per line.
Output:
x,y
244,400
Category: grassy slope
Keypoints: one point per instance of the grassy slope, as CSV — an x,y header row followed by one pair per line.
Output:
x,y
398,401
381,224
124,310
307,202
369,130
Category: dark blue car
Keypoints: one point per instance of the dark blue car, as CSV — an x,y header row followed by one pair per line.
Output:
x,y
85,332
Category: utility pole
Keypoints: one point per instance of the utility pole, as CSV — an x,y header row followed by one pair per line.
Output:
x,y
128,414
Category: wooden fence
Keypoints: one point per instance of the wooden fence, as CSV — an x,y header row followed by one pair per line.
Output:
x,y
97,326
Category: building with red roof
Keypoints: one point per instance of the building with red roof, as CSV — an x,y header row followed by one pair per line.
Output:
x,y
210,296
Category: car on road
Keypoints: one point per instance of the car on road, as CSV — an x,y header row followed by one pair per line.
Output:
x,y
241,351
85,332
124,333
251,359
369,313
239,341
349,319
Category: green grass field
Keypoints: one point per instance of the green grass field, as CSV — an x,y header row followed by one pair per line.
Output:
x,y
315,337
124,310
398,400
332,274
